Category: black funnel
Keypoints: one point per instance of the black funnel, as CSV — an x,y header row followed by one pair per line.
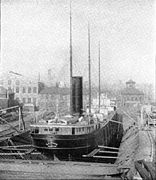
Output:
x,y
77,98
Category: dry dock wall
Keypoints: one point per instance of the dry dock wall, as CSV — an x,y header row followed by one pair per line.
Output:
x,y
136,145
128,149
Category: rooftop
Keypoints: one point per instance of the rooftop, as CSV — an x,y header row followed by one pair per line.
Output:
x,y
131,91
130,82
55,90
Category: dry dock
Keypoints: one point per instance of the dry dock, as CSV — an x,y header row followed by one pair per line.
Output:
x,y
138,145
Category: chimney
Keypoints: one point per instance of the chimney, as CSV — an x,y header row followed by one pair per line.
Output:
x,y
77,97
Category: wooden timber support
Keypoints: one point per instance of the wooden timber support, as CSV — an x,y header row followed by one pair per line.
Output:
x,y
106,157
111,152
114,148
9,124
91,154
118,122
14,107
145,169
20,118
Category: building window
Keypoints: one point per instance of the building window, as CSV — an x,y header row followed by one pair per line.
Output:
x,y
29,89
17,82
9,82
34,100
24,90
29,100
17,89
1,82
34,90
136,98
24,100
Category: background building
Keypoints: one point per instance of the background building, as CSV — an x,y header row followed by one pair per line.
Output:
x,y
131,96
3,97
54,99
25,89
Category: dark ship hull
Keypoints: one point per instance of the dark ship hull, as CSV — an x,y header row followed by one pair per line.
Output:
x,y
74,146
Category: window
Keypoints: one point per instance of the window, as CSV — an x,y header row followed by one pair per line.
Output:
x,y
34,100
17,89
9,82
73,130
17,82
29,89
24,90
36,130
29,100
34,90
1,82
24,100
50,129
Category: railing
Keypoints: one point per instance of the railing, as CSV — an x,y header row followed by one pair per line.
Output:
x,y
64,129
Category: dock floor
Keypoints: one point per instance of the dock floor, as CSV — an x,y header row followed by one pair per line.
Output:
x,y
24,169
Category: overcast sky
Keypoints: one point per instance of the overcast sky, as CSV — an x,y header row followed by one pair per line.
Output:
x,y
35,38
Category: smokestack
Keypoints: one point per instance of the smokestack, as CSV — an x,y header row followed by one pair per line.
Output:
x,y
77,98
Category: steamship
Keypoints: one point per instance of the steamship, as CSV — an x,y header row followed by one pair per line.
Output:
x,y
80,132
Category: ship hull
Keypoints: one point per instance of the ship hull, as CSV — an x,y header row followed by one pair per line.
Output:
x,y
74,146
65,146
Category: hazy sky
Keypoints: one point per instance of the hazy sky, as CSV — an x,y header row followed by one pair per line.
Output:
x,y
35,38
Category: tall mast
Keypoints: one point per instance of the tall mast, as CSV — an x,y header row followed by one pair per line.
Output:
x,y
99,79
71,103
155,81
89,66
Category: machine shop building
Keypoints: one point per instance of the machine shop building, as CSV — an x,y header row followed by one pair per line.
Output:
x,y
131,96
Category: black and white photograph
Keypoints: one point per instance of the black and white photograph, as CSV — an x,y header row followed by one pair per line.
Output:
x,y
78,89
